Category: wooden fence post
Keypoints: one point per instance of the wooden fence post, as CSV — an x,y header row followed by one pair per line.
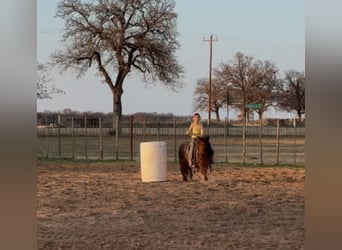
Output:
x,y
294,141
131,135
101,138
117,137
225,141
244,139
175,138
47,142
277,143
158,129
72,138
59,135
85,138
144,129
260,142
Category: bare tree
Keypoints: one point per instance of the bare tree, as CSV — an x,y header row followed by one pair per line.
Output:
x,y
43,90
292,93
249,77
265,90
218,96
120,36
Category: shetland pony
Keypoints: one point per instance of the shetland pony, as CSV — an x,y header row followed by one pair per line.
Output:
x,y
202,157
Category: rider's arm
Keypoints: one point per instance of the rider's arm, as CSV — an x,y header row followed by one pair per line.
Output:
x,y
189,130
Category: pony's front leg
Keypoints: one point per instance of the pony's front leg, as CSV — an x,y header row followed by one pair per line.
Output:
x,y
204,174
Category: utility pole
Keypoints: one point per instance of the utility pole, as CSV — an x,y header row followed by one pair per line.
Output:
x,y
210,66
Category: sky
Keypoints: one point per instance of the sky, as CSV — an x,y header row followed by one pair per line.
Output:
x,y
264,29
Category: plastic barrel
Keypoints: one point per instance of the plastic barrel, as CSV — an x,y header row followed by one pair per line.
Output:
x,y
153,161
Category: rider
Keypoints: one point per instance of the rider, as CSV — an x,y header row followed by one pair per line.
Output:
x,y
195,130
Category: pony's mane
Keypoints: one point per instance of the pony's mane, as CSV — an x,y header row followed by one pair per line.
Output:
x,y
204,137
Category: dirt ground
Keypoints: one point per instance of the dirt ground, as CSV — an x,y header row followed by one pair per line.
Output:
x,y
107,206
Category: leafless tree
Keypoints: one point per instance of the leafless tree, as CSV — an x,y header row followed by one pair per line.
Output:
x,y
251,78
218,96
291,96
43,90
265,90
120,36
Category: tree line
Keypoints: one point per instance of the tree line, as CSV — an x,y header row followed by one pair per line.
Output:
x,y
91,119
68,118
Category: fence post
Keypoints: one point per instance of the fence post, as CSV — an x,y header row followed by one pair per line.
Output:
x,y
277,143
117,137
144,129
225,141
244,139
158,129
131,135
175,138
101,138
85,138
48,142
72,138
59,135
294,141
260,141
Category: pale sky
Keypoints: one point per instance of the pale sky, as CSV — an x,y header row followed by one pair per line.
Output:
x,y
264,29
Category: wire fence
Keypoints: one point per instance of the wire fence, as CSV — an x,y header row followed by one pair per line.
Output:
x,y
81,138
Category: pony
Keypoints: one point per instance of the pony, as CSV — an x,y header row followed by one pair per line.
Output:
x,y
202,157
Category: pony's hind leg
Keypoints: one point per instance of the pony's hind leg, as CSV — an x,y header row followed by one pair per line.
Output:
x,y
184,173
187,173
185,170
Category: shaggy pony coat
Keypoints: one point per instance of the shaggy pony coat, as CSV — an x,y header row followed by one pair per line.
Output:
x,y
202,155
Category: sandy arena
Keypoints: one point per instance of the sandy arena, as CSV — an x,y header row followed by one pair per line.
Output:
x,y
107,206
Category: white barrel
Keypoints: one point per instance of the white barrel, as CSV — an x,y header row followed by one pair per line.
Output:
x,y
153,161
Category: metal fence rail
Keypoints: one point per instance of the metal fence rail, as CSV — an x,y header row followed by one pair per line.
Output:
x,y
275,145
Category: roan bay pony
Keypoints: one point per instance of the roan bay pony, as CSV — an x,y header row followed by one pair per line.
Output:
x,y
202,156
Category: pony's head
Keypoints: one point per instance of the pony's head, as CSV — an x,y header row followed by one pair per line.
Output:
x,y
204,154
204,143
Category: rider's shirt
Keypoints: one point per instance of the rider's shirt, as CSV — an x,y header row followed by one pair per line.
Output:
x,y
196,130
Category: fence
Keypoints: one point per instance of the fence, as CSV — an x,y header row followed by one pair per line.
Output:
x,y
232,143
